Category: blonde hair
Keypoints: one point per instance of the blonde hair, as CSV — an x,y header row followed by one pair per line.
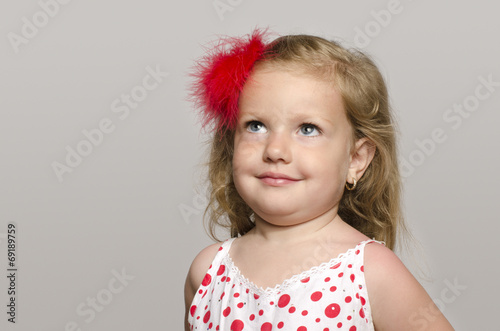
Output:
x,y
373,207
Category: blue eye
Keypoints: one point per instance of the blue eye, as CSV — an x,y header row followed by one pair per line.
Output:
x,y
309,130
256,127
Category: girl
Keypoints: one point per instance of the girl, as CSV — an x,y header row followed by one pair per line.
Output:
x,y
303,172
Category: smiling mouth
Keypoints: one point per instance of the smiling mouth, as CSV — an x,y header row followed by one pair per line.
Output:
x,y
277,179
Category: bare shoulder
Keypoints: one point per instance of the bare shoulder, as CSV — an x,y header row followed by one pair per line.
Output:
x,y
196,272
200,265
397,300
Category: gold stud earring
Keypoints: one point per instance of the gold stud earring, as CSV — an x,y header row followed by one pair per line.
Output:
x,y
353,185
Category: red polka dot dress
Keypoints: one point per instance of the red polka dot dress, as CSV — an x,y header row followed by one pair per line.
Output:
x,y
328,297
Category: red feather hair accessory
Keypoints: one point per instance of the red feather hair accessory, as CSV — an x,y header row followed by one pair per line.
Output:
x,y
221,74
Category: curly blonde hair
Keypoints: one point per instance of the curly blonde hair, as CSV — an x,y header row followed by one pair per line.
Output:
x,y
373,208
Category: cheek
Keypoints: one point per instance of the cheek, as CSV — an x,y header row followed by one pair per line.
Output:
x,y
241,161
237,168
244,152
241,172
329,168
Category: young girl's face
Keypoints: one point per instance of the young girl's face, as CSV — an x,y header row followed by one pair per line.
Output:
x,y
292,146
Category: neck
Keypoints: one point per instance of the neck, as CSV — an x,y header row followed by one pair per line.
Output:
x,y
293,234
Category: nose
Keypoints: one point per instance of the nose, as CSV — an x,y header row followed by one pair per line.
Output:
x,y
278,148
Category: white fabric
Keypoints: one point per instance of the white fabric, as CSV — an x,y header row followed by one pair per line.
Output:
x,y
328,297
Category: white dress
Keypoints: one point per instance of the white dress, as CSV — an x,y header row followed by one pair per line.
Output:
x,y
328,297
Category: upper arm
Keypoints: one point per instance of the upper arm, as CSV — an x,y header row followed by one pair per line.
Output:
x,y
397,300
195,275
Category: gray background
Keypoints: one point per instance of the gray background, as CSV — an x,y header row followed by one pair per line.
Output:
x,y
130,205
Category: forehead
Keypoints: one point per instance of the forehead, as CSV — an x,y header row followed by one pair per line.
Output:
x,y
287,92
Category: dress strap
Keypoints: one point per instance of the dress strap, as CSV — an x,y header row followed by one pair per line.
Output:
x,y
362,244
226,245
223,251
360,248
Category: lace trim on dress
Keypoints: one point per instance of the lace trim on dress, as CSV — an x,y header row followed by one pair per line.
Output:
x,y
287,283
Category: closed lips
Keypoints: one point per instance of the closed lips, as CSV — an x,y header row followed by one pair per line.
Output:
x,y
276,176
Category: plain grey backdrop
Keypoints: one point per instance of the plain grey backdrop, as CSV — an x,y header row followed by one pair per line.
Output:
x,y
101,152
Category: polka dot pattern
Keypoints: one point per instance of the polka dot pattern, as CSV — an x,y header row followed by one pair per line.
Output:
x,y
331,296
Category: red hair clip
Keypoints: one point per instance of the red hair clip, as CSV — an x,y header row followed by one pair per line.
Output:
x,y
221,74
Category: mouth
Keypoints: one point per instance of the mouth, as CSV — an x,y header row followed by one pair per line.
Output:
x,y
276,179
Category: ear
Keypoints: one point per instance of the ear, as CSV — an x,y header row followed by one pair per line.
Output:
x,y
361,156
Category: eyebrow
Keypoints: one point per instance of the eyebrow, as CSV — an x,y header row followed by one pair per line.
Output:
x,y
304,118
257,112
311,118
